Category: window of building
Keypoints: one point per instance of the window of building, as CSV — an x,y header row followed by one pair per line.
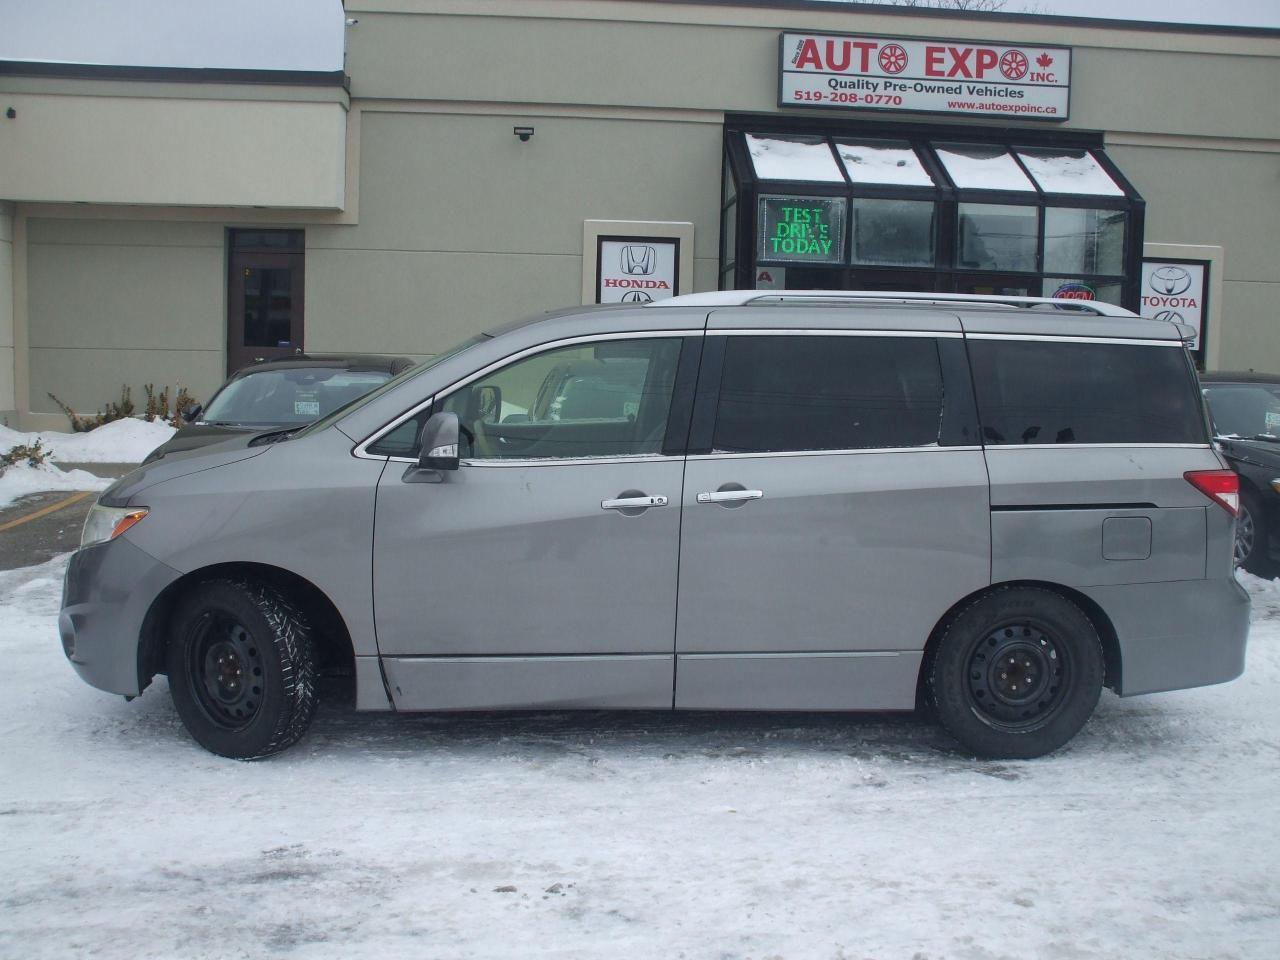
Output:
x,y
1036,392
780,393
943,208
980,166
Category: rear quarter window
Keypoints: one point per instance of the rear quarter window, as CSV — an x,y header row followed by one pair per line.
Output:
x,y
1053,392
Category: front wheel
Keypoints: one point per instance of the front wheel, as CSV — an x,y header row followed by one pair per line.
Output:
x,y
241,669
1017,673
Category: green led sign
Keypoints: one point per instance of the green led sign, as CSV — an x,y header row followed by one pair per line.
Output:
x,y
801,230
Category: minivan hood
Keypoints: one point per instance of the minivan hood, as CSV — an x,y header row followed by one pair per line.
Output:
x,y
180,464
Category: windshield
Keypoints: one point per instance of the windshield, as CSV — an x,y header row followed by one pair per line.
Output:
x,y
289,396
1243,410
391,384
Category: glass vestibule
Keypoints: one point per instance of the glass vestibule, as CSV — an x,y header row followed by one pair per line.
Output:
x,y
942,209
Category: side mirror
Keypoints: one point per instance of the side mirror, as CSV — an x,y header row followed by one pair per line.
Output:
x,y
191,413
438,445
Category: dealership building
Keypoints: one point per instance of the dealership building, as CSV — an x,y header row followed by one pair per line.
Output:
x,y
479,160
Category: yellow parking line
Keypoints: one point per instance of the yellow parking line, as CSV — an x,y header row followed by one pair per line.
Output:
x,y
45,511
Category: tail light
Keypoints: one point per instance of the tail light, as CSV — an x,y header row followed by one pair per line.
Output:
x,y
1220,486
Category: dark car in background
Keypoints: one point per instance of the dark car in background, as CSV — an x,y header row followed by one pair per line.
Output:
x,y
1245,409
279,394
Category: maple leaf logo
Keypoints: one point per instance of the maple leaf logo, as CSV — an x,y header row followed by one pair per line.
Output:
x,y
1045,61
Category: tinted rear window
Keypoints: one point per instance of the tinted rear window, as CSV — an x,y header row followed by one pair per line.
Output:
x,y
828,393
1036,392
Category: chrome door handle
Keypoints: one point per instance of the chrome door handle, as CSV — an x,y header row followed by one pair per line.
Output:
x,y
633,503
726,496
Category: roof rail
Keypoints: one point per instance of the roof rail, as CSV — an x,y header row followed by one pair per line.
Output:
x,y
743,298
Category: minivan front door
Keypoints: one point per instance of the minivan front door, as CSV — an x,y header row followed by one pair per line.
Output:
x,y
835,514
542,572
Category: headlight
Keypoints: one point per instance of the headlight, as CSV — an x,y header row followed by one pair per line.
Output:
x,y
1275,485
107,523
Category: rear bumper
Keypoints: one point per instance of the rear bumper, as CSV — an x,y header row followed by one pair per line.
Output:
x,y
108,590
1189,633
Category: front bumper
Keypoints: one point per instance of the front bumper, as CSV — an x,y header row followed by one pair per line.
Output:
x,y
109,588
1188,633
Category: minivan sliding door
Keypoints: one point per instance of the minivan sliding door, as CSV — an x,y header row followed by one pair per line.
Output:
x,y
837,509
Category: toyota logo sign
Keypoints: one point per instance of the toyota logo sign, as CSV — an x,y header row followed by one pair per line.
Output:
x,y
1170,280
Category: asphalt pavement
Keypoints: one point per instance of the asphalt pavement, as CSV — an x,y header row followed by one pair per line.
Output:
x,y
41,526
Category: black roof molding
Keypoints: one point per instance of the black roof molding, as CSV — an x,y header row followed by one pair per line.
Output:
x,y
926,13
104,71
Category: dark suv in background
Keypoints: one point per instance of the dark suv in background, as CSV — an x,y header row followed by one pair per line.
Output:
x,y
1245,409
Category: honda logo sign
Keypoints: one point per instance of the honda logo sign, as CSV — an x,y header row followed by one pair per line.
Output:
x,y
636,270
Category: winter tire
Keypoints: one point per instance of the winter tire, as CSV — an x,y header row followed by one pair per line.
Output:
x,y
241,669
1017,673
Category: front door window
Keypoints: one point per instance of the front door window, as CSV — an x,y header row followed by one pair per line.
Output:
x,y
603,399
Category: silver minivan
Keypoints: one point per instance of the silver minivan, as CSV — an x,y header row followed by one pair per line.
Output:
x,y
729,501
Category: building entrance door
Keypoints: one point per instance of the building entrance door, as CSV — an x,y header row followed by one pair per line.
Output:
x,y
265,310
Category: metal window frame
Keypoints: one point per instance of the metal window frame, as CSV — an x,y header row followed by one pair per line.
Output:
x,y
738,271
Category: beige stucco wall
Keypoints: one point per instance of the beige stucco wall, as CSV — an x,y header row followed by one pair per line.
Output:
x,y
7,405
121,302
478,227
1227,198
136,147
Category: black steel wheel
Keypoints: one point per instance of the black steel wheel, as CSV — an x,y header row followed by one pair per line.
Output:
x,y
241,669
1017,673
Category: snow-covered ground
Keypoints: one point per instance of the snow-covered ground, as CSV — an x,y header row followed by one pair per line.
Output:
x,y
121,441
648,835
20,480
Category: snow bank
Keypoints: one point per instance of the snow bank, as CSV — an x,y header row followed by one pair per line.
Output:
x,y
20,480
121,441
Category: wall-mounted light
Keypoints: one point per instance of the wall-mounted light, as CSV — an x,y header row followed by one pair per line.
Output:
x,y
524,133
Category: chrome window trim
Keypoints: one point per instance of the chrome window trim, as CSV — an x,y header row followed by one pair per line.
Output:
x,y
361,449
555,461
1066,338
824,332
1100,446
929,448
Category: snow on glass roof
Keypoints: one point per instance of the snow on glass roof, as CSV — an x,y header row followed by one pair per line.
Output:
x,y
982,167
883,162
1075,171
793,158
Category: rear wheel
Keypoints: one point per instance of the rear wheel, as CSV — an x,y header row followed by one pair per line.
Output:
x,y
1017,673
241,669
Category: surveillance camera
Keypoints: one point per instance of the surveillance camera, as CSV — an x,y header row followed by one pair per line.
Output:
x,y
524,133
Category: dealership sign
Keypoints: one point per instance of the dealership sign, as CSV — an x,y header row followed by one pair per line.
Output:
x,y
1026,81
1175,290
636,269
801,230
